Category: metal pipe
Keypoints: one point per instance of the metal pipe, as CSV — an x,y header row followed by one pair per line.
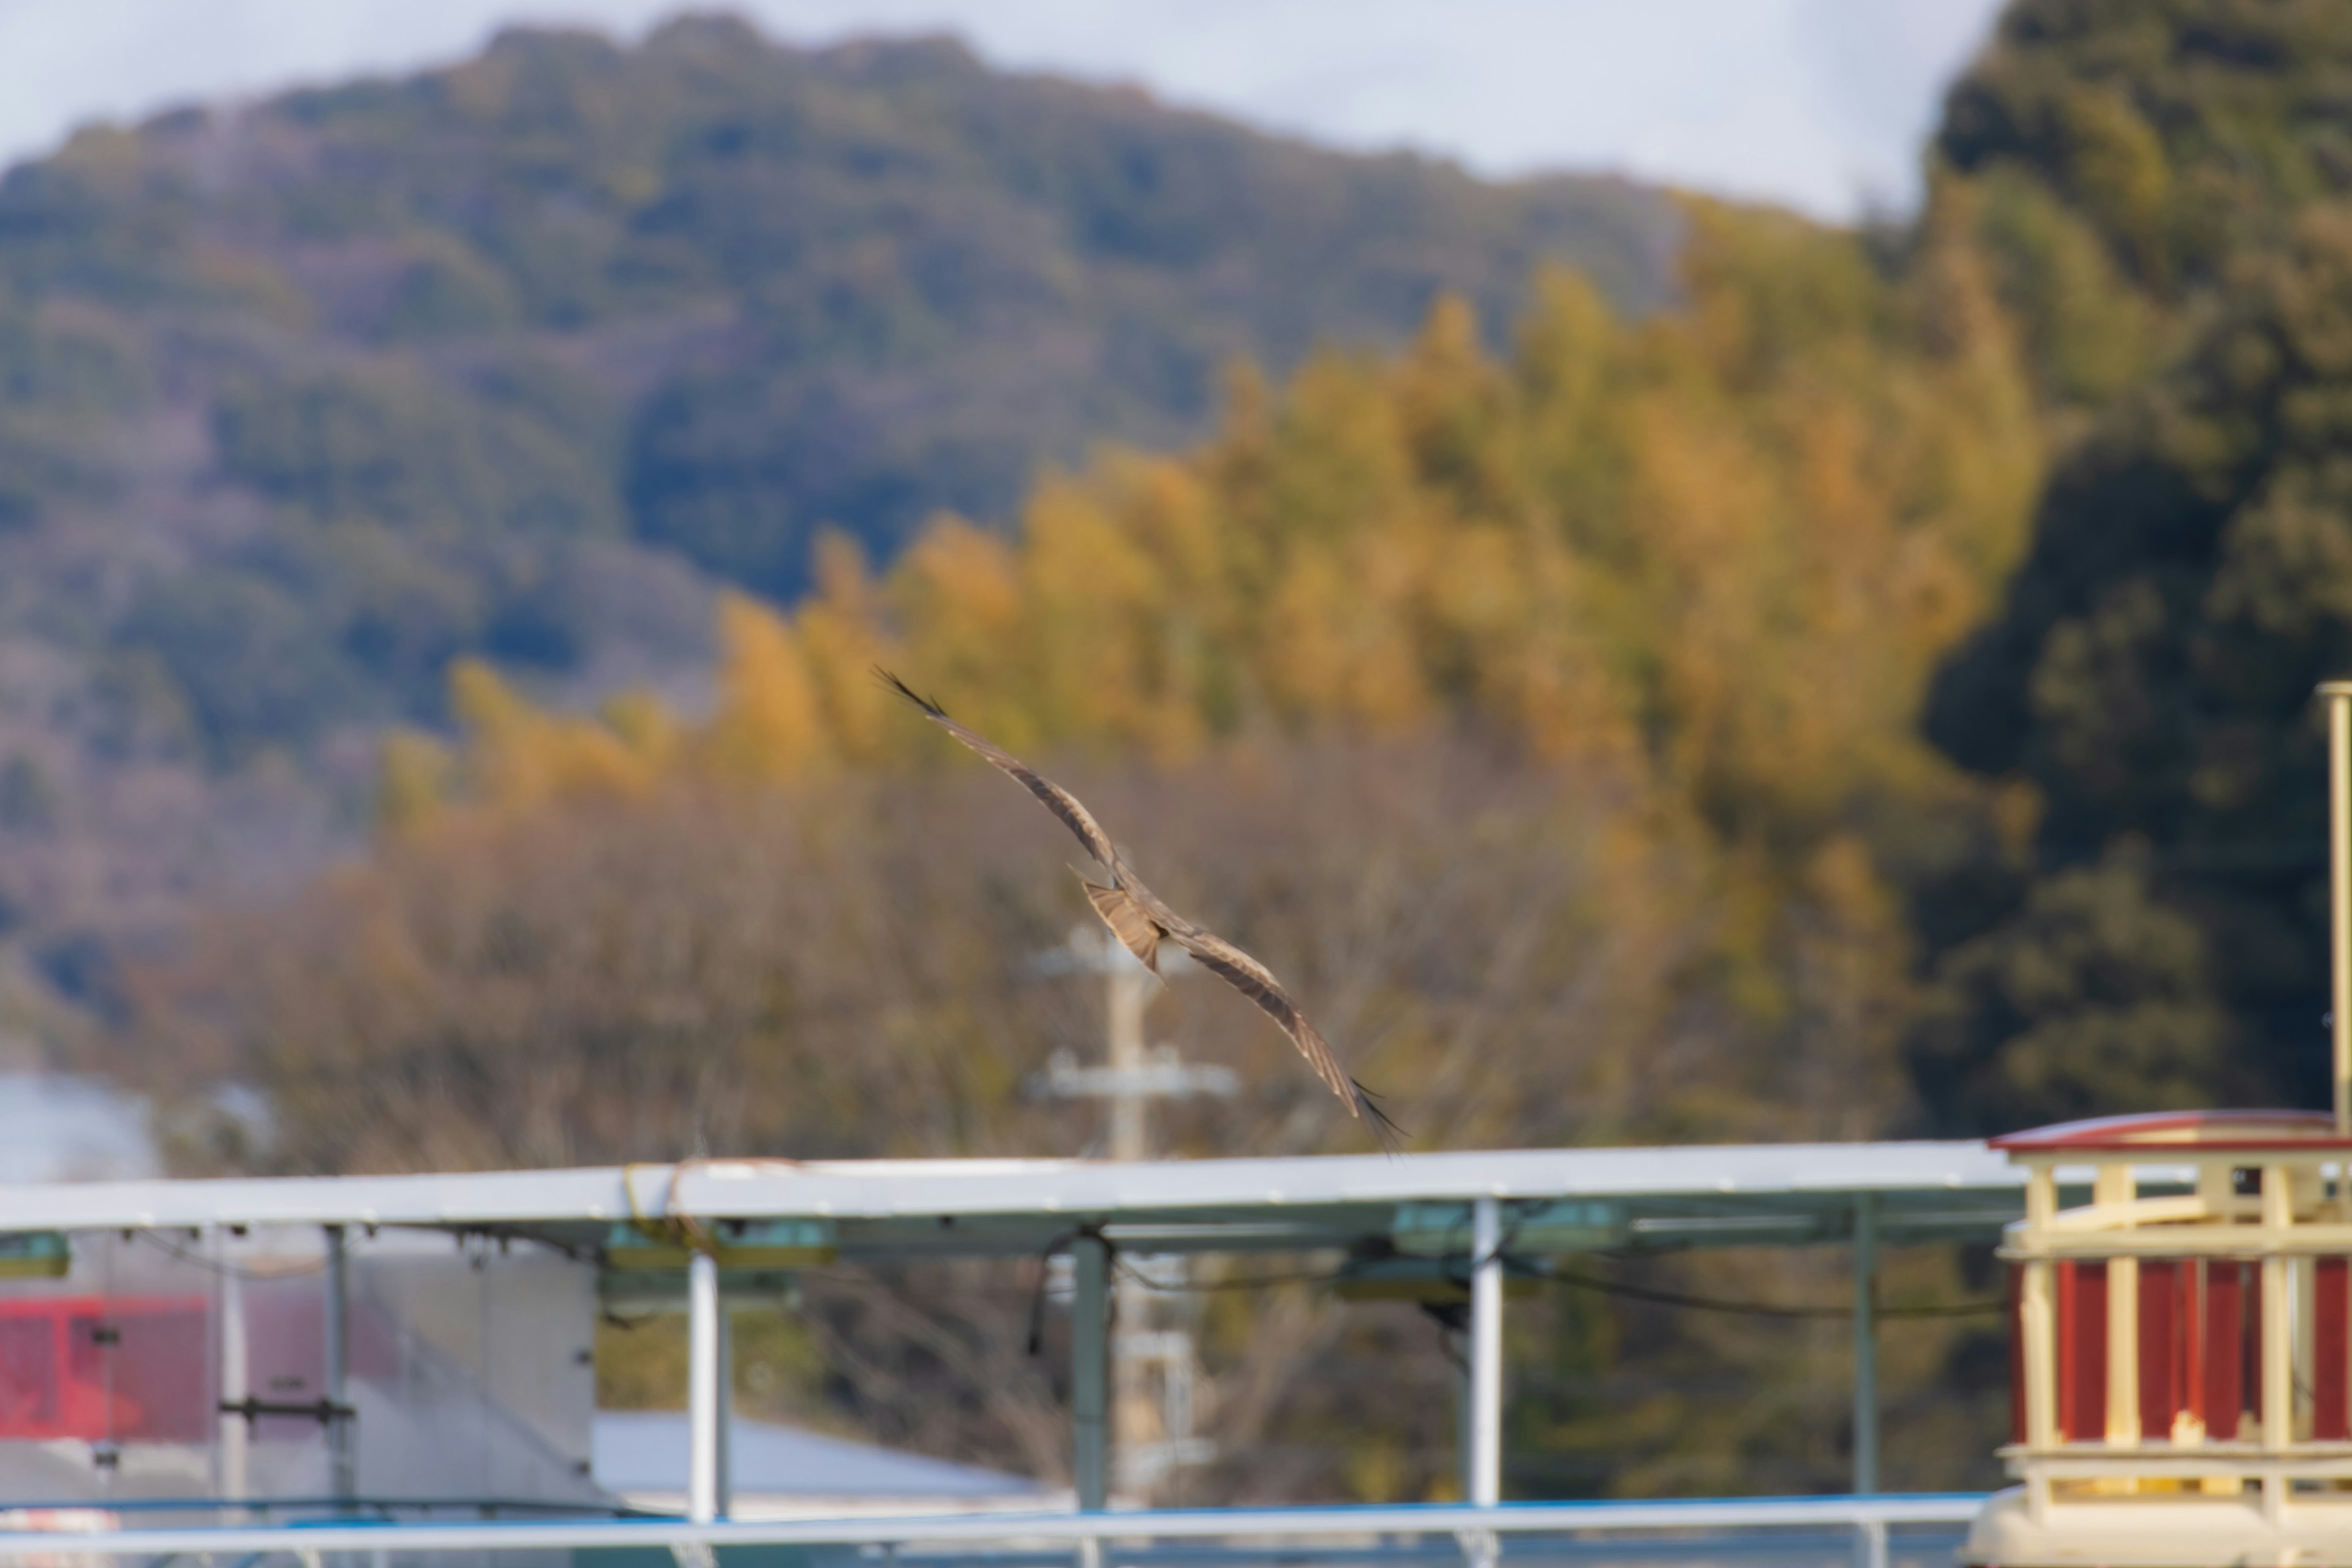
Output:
x,y
1865,1345
342,1458
702,1395
1487,1353
1870,1543
725,1467
2340,889
1090,1370
235,1377
1185,1524
1462,1422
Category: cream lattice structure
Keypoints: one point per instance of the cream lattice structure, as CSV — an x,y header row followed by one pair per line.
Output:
x,y
2182,1379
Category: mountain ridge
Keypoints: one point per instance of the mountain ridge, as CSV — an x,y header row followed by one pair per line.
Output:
x,y
522,357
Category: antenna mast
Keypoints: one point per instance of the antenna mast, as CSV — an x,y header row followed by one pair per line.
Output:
x,y
2339,892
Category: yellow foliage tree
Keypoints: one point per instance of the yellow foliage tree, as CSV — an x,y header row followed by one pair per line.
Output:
x,y
1716,552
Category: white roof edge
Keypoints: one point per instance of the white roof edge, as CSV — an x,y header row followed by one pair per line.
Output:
x,y
917,1188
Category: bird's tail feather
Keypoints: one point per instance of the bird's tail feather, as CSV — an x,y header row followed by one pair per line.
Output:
x,y
1384,1126
1127,921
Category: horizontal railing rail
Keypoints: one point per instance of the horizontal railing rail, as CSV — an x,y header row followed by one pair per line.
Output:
x,y
371,1508
1870,1516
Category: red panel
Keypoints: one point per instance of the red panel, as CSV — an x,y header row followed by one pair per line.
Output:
x,y
86,1391
129,1368
2189,1290
2064,1370
2225,1347
2159,1348
2016,1354
2328,1373
28,1376
2083,1352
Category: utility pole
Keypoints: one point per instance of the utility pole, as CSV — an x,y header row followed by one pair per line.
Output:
x,y
1127,992
1148,1435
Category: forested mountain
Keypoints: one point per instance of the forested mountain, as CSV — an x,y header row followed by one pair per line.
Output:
x,y
301,400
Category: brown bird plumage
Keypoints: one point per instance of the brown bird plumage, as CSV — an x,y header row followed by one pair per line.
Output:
x,y
1141,923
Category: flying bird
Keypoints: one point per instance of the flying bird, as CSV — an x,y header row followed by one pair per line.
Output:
x,y
1142,924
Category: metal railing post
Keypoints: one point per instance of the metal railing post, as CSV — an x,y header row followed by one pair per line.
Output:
x,y
1090,1369
724,1469
235,1376
1487,1353
1870,1543
702,1390
1866,1345
343,1456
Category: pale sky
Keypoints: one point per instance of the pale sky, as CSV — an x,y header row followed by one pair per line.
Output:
x,y
1819,104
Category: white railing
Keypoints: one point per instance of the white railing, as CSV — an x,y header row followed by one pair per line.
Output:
x,y
1479,1533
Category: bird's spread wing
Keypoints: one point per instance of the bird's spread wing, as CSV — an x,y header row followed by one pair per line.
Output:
x,y
1127,922
1143,922
1057,799
1255,980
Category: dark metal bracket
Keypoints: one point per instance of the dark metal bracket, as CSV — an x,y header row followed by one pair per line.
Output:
x,y
325,1412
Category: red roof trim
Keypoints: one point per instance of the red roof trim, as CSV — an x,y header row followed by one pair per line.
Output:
x,y
2264,1130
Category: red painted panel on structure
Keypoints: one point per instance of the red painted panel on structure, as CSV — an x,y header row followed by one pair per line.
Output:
x,y
2225,1347
128,1369
29,1381
2329,1388
2083,1352
2159,1348
2188,1291
2065,1358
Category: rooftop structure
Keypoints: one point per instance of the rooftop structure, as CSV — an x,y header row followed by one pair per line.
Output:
x,y
2183,1345
339,1381
2182,1376
1725,1195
